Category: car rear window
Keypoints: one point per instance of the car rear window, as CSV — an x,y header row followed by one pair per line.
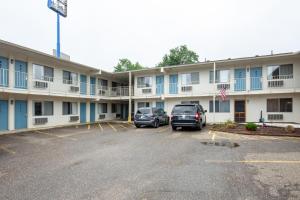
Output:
x,y
144,111
184,109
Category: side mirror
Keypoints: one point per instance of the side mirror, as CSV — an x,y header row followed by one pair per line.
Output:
x,y
205,111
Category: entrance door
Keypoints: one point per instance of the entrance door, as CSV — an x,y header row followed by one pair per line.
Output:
x,y
92,112
239,111
20,114
3,115
20,74
159,85
173,89
82,112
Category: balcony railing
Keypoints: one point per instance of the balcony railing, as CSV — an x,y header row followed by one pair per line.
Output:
x,y
83,88
239,84
256,83
113,91
21,79
3,77
92,89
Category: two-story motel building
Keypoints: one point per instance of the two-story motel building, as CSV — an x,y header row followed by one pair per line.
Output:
x,y
38,90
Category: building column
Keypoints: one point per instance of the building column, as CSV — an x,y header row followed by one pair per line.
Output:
x,y
129,105
11,113
11,72
88,111
29,113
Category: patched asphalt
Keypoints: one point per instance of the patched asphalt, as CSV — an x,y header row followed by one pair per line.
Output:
x,y
118,161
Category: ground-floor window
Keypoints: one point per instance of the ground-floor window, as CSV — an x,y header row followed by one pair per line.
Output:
x,y
102,108
43,108
160,104
113,108
220,106
143,104
70,108
280,105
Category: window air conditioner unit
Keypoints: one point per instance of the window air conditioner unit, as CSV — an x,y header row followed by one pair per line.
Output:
x,y
40,121
275,117
101,116
147,91
40,84
74,118
186,88
74,88
274,84
226,86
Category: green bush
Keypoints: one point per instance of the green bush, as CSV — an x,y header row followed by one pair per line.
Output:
x,y
251,126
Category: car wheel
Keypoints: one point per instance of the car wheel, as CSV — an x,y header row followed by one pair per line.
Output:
x,y
138,126
168,121
174,128
155,124
204,124
200,126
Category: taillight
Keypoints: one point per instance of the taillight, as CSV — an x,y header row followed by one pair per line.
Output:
x,y
197,116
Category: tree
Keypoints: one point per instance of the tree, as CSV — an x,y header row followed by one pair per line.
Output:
x,y
125,64
179,56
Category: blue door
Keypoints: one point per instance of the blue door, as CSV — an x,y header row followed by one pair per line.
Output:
x,y
159,85
20,74
20,114
255,78
240,79
160,104
173,88
82,112
93,85
3,115
82,84
92,112
3,71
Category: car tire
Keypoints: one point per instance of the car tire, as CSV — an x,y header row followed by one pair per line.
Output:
x,y
200,126
204,124
174,128
156,124
138,126
168,121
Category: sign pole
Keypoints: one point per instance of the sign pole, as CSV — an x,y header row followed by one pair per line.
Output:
x,y
58,37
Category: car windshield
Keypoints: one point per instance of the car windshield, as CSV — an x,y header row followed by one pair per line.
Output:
x,y
184,109
144,111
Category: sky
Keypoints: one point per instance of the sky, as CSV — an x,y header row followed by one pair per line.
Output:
x,y
98,33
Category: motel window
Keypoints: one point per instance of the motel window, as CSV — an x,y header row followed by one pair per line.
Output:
x,y
280,105
280,71
43,108
143,104
103,84
43,73
70,108
143,82
113,108
102,108
190,78
70,78
222,76
220,106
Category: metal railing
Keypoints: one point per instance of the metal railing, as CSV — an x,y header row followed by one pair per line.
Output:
x,y
21,79
92,89
3,77
239,84
83,88
113,91
159,89
256,83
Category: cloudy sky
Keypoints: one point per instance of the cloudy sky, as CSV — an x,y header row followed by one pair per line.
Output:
x,y
98,32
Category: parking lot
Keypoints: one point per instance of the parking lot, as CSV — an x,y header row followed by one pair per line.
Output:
x,y
118,161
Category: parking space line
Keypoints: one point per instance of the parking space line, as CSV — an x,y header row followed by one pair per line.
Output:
x,y
131,125
2,174
111,126
101,128
163,129
255,161
7,150
122,126
56,136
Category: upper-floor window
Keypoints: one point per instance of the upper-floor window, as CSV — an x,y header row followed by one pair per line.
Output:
x,y
70,78
43,73
222,76
190,78
70,108
102,84
143,104
280,105
280,71
43,108
143,82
